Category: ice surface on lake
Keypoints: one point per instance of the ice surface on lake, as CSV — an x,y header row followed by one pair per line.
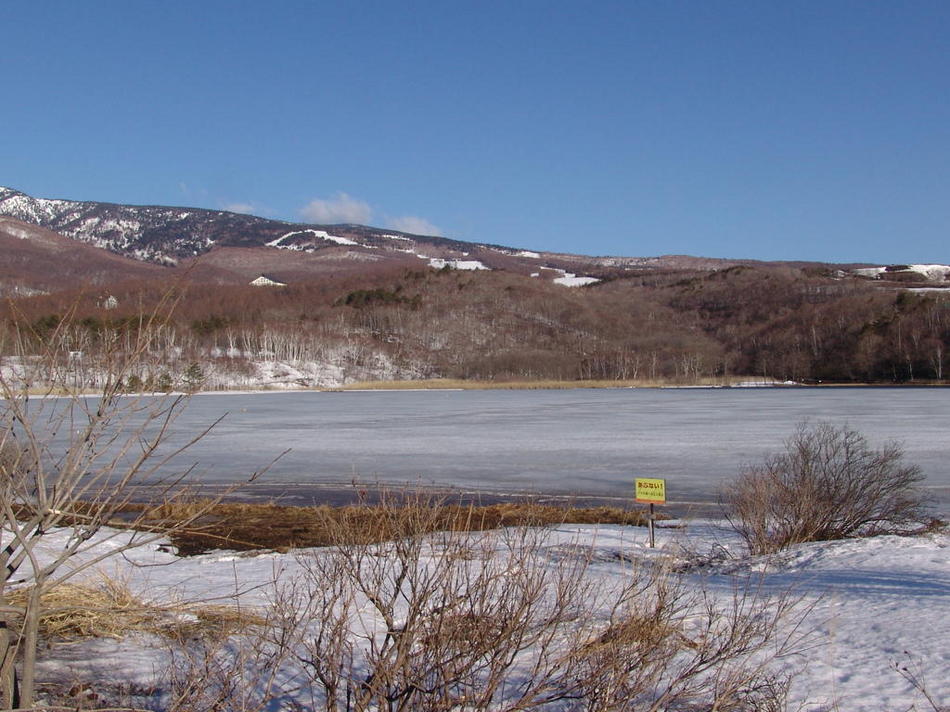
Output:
x,y
583,442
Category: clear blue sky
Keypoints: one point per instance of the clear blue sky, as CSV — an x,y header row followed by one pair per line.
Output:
x,y
774,130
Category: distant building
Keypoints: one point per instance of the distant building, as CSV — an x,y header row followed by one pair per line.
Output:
x,y
265,281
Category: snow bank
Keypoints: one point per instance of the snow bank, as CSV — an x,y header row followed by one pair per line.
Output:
x,y
875,603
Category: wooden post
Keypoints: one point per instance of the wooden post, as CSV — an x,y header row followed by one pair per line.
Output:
x,y
650,520
651,491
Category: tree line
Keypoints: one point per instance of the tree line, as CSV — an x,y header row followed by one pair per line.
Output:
x,y
785,323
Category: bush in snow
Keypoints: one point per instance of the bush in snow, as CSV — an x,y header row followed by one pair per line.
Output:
x,y
827,484
510,620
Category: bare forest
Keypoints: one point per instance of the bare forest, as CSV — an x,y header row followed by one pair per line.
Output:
x,y
774,322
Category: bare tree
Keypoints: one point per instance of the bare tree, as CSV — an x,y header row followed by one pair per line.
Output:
x,y
74,460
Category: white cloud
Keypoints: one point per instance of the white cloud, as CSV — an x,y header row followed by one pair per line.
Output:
x,y
414,225
341,208
239,208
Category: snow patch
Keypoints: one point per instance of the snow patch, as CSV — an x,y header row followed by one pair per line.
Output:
x,y
572,280
439,263
319,234
16,231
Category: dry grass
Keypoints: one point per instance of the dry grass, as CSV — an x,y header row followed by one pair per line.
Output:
x,y
108,609
269,526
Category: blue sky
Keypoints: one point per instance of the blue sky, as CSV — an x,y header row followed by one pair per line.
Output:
x,y
812,130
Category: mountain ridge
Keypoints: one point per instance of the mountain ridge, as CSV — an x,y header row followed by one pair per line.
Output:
x,y
175,235
167,234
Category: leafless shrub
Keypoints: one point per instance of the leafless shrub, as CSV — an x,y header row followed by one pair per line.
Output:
x,y
827,484
231,674
491,620
913,673
666,647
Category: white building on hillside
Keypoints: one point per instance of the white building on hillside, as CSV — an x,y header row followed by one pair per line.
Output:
x,y
265,281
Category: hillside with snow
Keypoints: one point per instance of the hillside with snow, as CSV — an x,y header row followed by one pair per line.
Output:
x,y
170,236
930,273
237,247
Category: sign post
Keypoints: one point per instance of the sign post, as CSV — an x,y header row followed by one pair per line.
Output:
x,y
651,491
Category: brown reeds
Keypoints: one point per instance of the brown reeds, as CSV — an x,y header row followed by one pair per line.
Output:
x,y
241,526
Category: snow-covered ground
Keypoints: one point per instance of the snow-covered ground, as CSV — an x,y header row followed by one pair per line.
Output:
x,y
874,604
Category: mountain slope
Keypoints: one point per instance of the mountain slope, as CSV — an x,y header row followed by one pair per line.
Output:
x,y
234,247
38,260
168,234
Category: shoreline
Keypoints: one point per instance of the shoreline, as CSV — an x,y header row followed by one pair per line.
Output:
x,y
450,385
455,385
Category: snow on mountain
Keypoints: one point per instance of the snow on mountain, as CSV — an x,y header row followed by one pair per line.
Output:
x,y
930,272
17,231
438,263
149,233
572,280
569,279
38,260
169,234
301,241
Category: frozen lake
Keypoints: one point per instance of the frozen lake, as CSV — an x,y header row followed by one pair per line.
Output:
x,y
577,442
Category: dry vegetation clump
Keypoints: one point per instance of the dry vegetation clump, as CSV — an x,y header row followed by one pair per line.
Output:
x,y
73,610
244,527
109,609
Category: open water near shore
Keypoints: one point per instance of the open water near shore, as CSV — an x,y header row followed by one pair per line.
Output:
x,y
587,443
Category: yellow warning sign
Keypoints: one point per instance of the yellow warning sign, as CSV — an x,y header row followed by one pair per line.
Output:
x,y
651,491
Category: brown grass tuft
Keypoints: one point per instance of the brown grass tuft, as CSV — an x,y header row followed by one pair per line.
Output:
x,y
108,609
